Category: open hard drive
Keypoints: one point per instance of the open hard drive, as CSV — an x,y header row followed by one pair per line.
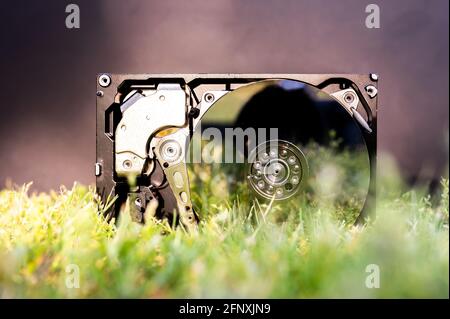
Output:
x,y
169,140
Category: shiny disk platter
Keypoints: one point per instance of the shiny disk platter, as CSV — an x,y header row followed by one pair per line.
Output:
x,y
300,149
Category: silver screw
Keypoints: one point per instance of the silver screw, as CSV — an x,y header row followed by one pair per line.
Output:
x,y
371,91
349,97
374,77
104,80
170,150
127,164
99,93
209,97
138,202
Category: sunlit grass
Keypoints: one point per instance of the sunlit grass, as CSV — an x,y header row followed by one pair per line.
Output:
x,y
241,250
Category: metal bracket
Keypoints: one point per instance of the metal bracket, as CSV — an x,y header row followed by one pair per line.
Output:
x,y
170,152
143,118
349,100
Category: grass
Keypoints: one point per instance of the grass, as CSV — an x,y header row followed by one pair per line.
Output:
x,y
243,249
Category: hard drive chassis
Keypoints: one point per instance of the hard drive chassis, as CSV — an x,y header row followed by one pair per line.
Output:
x,y
111,89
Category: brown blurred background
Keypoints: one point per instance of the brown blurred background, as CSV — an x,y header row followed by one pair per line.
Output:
x,y
47,109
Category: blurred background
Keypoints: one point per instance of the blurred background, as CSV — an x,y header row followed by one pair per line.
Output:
x,y
48,80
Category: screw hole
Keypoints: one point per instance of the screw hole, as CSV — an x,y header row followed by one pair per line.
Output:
x,y
349,98
209,97
166,164
127,164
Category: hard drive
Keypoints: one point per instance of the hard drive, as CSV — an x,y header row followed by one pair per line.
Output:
x,y
170,141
